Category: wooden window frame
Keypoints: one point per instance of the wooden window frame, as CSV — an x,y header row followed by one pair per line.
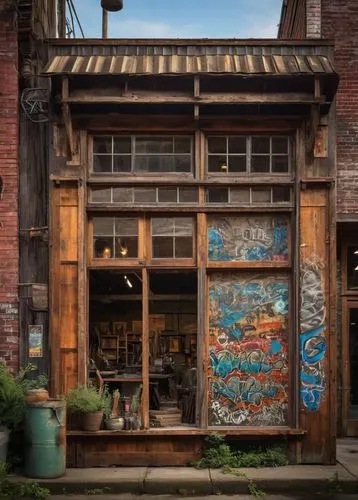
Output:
x,y
113,262
248,173
132,175
170,262
349,242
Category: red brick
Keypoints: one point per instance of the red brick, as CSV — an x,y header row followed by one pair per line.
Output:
x,y
9,236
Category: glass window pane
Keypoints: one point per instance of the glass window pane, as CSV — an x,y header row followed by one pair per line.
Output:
x,y
217,144
183,247
126,247
237,144
237,164
102,163
163,247
217,195
280,164
154,145
260,145
162,226
182,163
122,145
122,163
103,226
183,226
122,195
280,145
182,145
103,247
145,195
167,195
188,195
260,164
239,195
352,267
261,195
281,194
217,164
101,195
102,145
126,226
152,164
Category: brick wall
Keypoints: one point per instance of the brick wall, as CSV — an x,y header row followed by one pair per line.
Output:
x,y
313,19
9,327
340,22
293,20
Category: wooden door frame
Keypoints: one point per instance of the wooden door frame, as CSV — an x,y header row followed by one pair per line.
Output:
x,y
348,304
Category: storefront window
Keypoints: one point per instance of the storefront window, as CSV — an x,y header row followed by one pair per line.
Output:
x,y
142,154
172,237
248,239
352,268
115,237
246,154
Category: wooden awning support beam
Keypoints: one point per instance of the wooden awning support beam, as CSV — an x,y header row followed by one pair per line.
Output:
x,y
66,113
314,119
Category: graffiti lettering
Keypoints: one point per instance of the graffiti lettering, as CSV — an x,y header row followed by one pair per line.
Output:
x,y
248,349
313,344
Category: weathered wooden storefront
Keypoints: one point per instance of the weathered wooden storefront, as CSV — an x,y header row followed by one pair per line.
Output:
x,y
192,241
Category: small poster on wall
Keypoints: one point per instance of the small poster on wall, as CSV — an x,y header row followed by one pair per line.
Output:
x,y
36,337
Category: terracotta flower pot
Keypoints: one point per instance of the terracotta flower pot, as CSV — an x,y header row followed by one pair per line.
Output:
x,y
92,421
36,395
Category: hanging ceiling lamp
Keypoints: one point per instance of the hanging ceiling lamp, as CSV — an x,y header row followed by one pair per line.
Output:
x,y
112,5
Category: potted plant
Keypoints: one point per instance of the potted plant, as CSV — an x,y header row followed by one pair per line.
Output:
x,y
90,405
12,408
34,388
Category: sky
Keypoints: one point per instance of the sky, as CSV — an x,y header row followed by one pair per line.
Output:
x,y
183,19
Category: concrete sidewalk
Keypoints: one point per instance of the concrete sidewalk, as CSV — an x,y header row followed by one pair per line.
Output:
x,y
187,481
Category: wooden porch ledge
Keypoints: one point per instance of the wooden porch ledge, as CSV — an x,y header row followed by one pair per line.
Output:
x,y
187,431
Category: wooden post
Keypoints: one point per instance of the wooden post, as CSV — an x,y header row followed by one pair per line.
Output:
x,y
145,347
61,16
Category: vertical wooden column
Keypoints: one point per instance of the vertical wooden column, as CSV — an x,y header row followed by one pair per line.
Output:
x,y
317,398
145,347
64,285
202,392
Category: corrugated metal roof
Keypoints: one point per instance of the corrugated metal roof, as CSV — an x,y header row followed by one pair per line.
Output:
x,y
176,64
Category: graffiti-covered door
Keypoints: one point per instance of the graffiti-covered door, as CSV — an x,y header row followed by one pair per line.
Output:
x,y
248,349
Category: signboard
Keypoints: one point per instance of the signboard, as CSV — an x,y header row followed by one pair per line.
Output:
x,y
36,341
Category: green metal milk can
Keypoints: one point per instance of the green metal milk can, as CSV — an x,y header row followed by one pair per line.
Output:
x,y
45,439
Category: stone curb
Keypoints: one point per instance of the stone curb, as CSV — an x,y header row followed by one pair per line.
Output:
x,y
192,482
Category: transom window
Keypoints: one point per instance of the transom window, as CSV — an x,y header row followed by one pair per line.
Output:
x,y
115,237
237,154
172,237
142,154
144,195
258,195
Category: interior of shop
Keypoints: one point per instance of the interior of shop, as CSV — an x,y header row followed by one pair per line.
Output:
x,y
116,332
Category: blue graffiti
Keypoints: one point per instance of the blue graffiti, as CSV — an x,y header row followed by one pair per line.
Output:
x,y
256,240
275,347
